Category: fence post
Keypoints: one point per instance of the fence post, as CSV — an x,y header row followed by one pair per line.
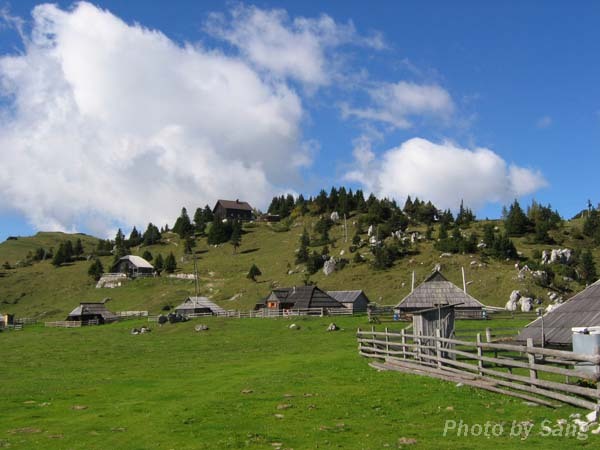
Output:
x,y
358,336
403,337
531,358
417,340
488,335
387,342
597,353
479,355
438,348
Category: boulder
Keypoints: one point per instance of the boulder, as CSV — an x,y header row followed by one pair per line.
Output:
x,y
511,305
541,276
515,296
526,304
294,327
446,255
329,266
201,327
370,231
335,217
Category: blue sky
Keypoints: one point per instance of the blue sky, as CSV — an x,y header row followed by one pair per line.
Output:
x,y
118,113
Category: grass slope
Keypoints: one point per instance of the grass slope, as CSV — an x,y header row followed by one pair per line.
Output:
x,y
43,291
100,387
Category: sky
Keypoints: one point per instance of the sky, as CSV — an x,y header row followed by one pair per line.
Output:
x,y
115,114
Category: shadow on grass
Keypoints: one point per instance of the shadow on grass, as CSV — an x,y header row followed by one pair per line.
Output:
x,y
250,250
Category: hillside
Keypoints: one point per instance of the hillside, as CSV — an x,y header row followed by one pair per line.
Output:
x,y
44,291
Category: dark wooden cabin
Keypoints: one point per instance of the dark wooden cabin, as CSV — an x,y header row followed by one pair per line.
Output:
x,y
302,297
134,266
232,210
87,311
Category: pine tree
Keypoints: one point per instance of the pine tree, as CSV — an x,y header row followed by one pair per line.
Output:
x,y
236,235
78,250
151,235
199,222
302,255
588,267
159,263
253,272
135,238
147,255
96,269
59,257
170,263
183,226
517,223
219,232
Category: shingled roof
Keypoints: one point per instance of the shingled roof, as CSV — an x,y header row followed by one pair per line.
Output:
x,y
137,261
582,310
233,204
200,303
346,296
437,290
93,308
303,297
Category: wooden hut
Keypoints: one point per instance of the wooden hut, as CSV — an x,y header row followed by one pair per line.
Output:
x,y
134,266
582,310
436,290
233,210
426,323
301,297
355,301
198,305
87,311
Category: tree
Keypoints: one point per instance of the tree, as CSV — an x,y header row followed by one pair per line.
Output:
x,y
236,235
59,256
135,238
588,267
147,255
170,263
151,235
302,255
188,245
517,223
314,262
183,226
253,272
219,232
78,250
96,269
159,263
382,257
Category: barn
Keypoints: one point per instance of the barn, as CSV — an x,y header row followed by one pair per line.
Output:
x,y
302,297
233,210
134,266
355,301
436,290
582,310
199,305
87,311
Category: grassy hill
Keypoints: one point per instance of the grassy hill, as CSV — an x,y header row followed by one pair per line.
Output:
x,y
43,291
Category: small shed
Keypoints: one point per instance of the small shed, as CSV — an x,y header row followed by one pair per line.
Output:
x,y
199,305
87,311
233,210
427,321
582,310
355,301
437,290
134,266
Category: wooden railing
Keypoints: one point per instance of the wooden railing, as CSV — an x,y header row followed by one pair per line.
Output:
x,y
268,313
516,370
71,323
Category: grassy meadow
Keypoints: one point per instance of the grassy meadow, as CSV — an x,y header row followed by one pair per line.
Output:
x,y
249,383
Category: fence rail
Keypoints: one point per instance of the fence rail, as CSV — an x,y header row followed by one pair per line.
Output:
x,y
268,313
516,370
71,323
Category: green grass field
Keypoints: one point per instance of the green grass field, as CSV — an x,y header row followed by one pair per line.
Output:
x,y
249,383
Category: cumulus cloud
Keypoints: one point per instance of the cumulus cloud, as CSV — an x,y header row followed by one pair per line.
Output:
x,y
298,49
110,123
445,173
396,103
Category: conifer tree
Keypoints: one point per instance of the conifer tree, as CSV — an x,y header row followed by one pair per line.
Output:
x,y
170,263
253,272
236,235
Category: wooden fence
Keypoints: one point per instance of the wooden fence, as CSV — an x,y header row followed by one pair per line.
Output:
x,y
131,314
266,313
71,323
516,370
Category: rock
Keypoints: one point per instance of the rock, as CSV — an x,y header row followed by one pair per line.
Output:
x,y
284,406
294,327
481,245
406,441
201,327
446,255
437,267
370,231
511,305
459,385
134,331
332,327
79,407
473,263
342,252
551,307
592,416
523,272
596,431
541,276
279,416
329,266
515,295
335,216
526,304
247,391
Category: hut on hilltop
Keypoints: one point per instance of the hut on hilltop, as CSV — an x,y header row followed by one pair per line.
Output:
x,y
232,209
134,266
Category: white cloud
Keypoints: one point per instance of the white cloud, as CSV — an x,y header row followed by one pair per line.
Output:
x,y
298,49
114,123
544,122
396,103
445,174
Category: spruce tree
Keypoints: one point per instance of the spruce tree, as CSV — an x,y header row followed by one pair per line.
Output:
x,y
236,235
78,250
253,272
588,267
96,269
159,263
147,255
170,263
302,255
516,223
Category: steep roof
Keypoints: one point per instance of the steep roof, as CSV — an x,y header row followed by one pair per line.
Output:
x,y
234,204
582,310
303,297
347,296
137,261
93,308
437,290
200,302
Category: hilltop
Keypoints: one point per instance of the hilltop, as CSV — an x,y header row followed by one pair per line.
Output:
x,y
39,289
